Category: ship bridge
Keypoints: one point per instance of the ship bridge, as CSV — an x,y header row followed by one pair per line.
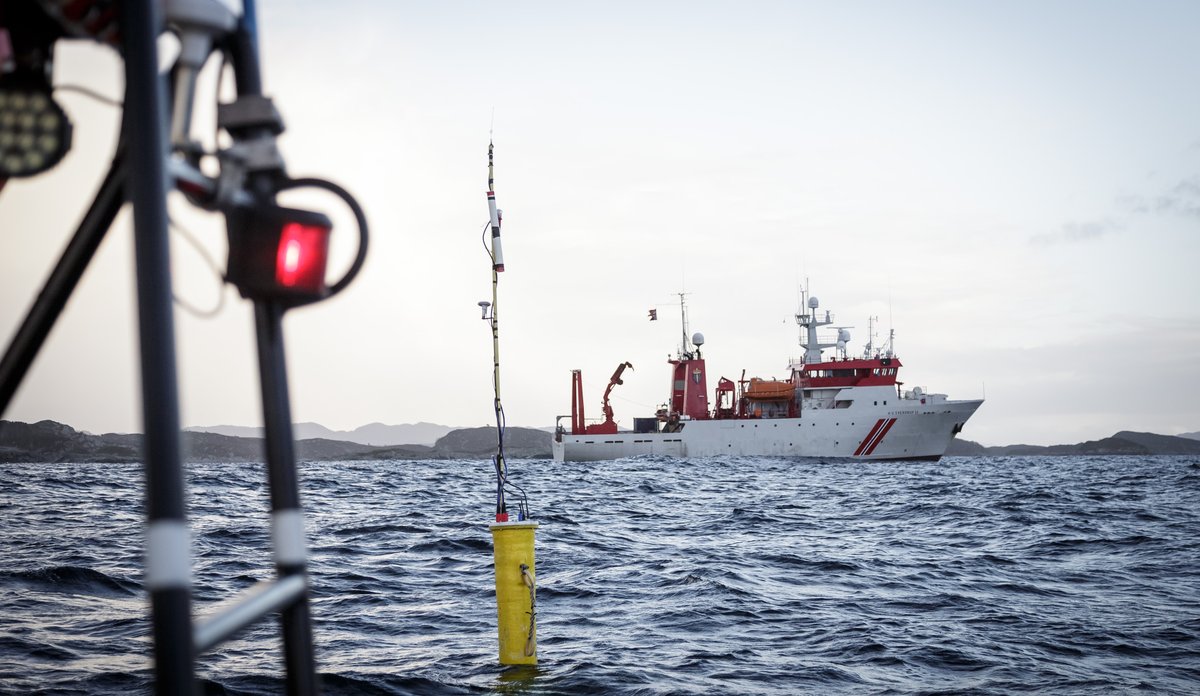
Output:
x,y
873,372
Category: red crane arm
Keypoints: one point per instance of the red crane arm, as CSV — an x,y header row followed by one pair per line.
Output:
x,y
612,382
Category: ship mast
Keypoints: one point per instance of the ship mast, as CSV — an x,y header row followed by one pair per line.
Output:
x,y
808,324
683,342
869,350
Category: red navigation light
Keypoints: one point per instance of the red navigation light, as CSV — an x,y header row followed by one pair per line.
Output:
x,y
300,262
278,253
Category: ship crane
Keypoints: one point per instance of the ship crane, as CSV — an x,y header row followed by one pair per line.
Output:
x,y
578,425
612,382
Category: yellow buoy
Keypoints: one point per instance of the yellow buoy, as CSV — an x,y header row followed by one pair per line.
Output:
x,y
516,591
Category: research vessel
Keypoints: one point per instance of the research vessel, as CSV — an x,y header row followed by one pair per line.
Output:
x,y
843,407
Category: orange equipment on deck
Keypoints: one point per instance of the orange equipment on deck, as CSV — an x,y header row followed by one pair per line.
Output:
x,y
769,390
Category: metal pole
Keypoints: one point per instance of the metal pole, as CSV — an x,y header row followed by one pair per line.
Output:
x,y
287,519
260,600
168,557
501,465
63,279
246,71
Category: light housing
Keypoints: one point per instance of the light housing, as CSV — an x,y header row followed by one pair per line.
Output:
x,y
35,133
278,253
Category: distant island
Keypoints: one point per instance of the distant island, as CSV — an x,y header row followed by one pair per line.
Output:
x,y
48,441
1124,442
372,434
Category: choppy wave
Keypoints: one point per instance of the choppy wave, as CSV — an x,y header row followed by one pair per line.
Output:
x,y
656,576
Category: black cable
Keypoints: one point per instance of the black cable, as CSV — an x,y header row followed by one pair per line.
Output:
x,y
483,240
524,505
498,460
90,93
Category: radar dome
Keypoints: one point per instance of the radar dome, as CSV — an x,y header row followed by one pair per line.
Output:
x,y
843,336
698,338
813,303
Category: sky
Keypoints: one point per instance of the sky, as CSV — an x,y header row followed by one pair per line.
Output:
x,y
1013,188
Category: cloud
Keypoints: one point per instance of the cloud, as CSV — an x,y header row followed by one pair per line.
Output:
x,y
1181,199
1072,232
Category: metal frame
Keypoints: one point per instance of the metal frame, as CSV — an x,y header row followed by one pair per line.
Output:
x,y
139,174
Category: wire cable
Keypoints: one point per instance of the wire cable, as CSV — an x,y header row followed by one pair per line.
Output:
x,y
208,260
483,240
87,92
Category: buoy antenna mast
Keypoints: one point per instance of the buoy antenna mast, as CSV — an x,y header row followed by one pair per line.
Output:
x,y
512,539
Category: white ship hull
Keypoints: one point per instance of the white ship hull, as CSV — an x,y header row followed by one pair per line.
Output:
x,y
907,430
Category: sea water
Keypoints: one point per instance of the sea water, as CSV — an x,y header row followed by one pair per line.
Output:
x,y
655,576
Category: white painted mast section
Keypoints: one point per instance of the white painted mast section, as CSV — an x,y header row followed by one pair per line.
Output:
x,y
869,349
683,342
808,326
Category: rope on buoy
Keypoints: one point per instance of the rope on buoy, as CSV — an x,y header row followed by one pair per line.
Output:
x,y
530,645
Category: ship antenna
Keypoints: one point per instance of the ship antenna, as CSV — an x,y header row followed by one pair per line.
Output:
x,y
891,342
683,344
